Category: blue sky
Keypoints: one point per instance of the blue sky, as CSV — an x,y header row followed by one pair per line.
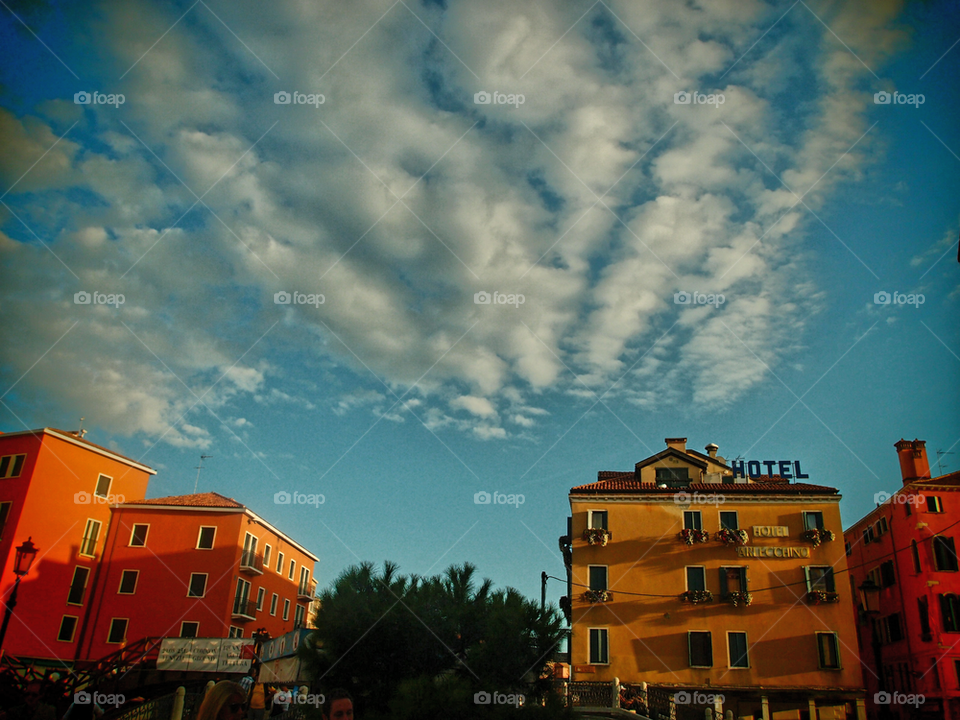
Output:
x,y
398,198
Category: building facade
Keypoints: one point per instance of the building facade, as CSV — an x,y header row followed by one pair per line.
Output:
x,y
910,634
198,565
57,490
709,579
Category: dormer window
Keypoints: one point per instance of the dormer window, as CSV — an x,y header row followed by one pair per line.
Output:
x,y
673,477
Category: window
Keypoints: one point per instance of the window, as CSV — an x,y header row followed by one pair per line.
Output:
x,y
733,579
304,578
894,628
934,504
813,521
68,626
78,585
737,649
292,570
673,476
692,520
103,486
875,576
956,667
11,465
599,648
4,514
597,519
91,533
923,609
598,577
241,597
279,562
273,604
882,525
696,578
206,537
138,538
887,577
298,616
829,650
198,585
868,534
266,556
944,554
118,631
236,632
128,582
906,506
286,610
728,520
915,553
848,548
189,629
261,594
950,613
700,646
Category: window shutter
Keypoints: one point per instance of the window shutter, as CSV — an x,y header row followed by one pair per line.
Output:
x,y
723,581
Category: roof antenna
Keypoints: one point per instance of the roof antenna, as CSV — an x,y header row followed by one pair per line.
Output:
x,y
940,454
81,432
199,468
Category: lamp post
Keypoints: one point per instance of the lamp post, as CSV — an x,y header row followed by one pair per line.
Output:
x,y
21,566
870,601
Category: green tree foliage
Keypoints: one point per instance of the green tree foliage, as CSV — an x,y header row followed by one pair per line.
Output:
x,y
395,640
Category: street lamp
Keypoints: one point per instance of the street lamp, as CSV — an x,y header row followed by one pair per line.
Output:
x,y
870,602
21,566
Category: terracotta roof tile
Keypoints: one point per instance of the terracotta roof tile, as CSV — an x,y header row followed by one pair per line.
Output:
x,y
207,499
766,488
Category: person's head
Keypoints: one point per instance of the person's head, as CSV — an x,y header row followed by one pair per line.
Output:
x,y
224,701
338,705
31,694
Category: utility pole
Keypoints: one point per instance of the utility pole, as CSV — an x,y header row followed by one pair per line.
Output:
x,y
199,468
543,591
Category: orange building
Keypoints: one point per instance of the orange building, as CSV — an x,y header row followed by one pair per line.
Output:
x,y
697,577
57,488
910,628
196,566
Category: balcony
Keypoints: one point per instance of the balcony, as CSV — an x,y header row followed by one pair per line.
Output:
x,y
244,610
307,591
819,597
251,563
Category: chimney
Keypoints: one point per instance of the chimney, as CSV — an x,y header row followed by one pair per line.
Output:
x,y
712,449
913,460
677,444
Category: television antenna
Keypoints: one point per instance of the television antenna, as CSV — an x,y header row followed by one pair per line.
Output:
x,y
940,454
199,468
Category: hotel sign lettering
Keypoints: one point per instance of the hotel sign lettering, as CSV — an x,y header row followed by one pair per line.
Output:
x,y
787,469
771,531
773,552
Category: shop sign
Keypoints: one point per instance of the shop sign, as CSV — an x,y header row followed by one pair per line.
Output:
x,y
773,552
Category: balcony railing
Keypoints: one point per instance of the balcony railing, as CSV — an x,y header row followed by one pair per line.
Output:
x,y
251,563
307,590
244,609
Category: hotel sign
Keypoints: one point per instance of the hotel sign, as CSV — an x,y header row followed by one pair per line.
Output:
x,y
787,469
771,531
773,552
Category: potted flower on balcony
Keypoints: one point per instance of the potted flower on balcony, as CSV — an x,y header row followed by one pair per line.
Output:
x,y
691,536
816,597
696,597
597,536
596,596
738,599
732,537
817,536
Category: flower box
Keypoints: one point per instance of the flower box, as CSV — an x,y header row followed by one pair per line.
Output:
x,y
738,599
597,596
696,597
817,597
597,536
817,536
732,537
691,536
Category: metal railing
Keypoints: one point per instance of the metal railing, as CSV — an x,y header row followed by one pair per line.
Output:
x,y
251,562
243,608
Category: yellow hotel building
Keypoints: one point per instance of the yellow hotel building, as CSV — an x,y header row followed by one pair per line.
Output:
x,y
699,577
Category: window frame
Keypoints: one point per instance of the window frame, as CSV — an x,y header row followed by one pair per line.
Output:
x,y
299,616
133,532
915,556
937,504
836,651
96,487
953,601
273,604
603,649
196,629
279,563
286,609
213,540
205,577
690,634
126,630
606,574
266,555
686,576
73,631
591,514
136,581
73,581
814,514
261,597
5,507
14,465
292,571
694,515
736,518
746,650
949,546
725,580
235,632
84,539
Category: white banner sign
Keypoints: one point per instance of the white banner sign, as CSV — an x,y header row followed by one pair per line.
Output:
x,y
203,654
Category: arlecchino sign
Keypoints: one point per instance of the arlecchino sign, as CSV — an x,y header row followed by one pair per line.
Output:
x,y
777,551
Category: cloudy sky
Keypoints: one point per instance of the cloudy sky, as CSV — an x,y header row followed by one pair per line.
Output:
x,y
686,218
